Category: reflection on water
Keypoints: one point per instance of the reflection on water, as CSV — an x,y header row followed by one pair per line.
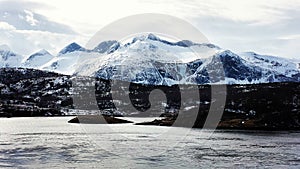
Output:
x,y
53,143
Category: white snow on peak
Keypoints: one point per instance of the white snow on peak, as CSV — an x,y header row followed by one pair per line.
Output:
x,y
151,60
142,53
69,62
43,52
10,59
272,63
38,59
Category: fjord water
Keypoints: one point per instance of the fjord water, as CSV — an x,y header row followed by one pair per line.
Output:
x,y
51,142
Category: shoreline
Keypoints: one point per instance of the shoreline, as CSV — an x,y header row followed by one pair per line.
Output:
x,y
219,128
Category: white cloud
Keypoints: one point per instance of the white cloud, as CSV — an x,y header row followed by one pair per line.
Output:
x,y
290,37
239,25
97,13
30,18
6,26
26,42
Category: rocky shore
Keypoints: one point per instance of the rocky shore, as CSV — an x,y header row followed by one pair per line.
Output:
x,y
237,124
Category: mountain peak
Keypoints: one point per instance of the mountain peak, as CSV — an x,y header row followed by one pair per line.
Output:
x,y
41,52
181,43
38,59
144,37
185,43
107,46
151,36
73,47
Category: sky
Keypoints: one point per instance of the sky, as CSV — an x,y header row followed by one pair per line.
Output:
x,y
264,26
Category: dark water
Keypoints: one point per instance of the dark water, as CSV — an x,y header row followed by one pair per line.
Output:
x,y
53,143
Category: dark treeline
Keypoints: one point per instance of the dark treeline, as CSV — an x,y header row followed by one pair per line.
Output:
x,y
26,92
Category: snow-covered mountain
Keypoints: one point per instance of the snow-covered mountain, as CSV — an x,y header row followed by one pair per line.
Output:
x,y
9,58
240,69
38,59
73,47
149,59
107,47
271,63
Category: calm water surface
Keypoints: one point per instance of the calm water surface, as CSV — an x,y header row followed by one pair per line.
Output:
x,y
53,143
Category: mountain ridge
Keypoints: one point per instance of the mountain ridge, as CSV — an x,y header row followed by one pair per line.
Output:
x,y
152,60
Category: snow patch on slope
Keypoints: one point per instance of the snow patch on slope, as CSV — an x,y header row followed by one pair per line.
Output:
x,y
38,59
10,59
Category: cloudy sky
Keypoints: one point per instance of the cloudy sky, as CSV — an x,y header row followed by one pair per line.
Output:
x,y
264,26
